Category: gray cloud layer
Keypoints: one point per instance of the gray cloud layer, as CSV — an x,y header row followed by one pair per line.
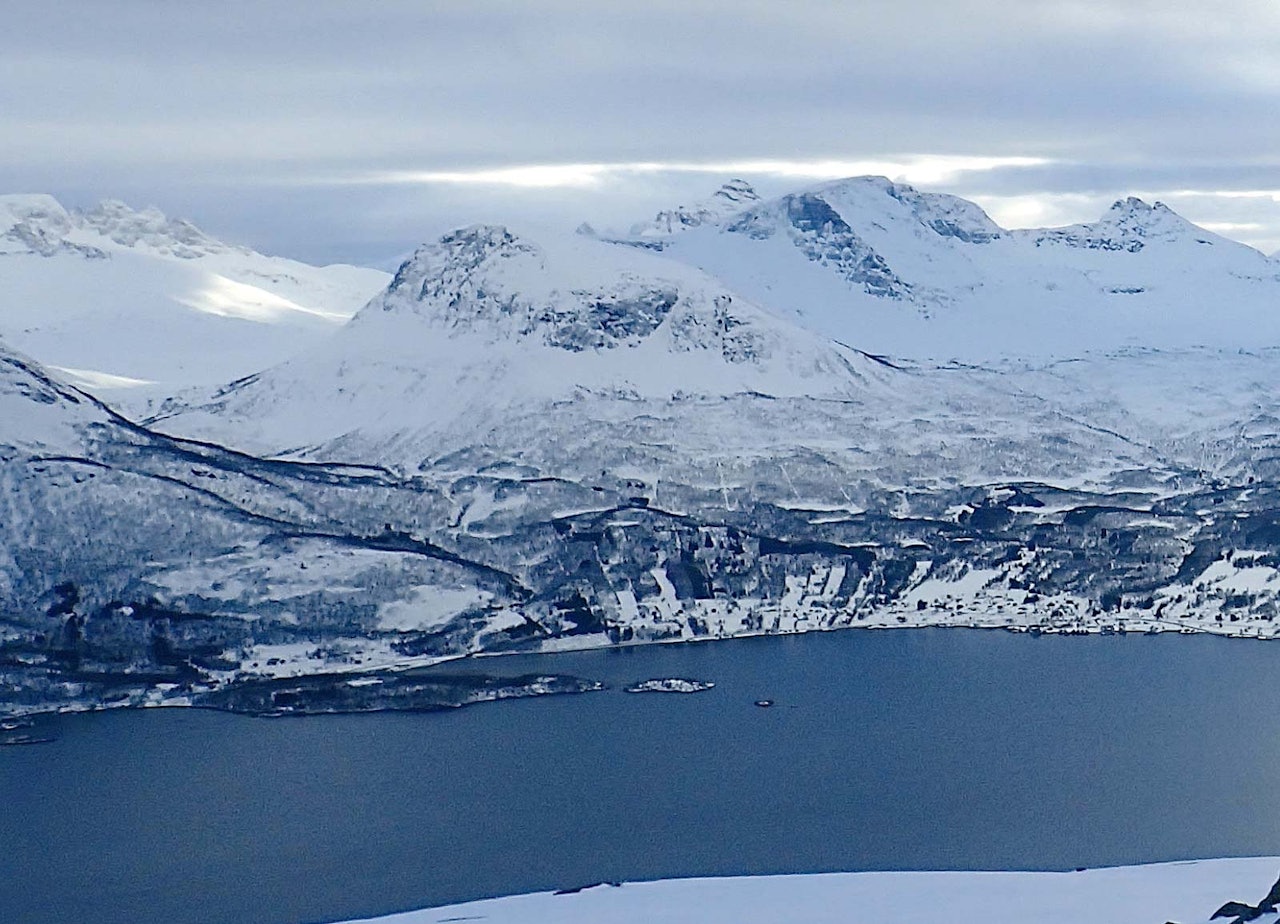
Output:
x,y
251,116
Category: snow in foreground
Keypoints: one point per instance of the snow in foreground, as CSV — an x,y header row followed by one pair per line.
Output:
x,y
1184,892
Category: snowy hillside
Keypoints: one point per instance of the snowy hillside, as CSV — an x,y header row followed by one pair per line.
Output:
x,y
114,297
1182,892
889,269
1187,893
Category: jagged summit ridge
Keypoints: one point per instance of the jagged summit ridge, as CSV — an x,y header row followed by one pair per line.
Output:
x,y
943,214
1129,225
41,225
735,194
731,198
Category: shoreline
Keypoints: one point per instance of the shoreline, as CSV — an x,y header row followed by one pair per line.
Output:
x,y
159,698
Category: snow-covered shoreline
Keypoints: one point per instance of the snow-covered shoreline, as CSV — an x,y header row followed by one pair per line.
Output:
x,y
1187,892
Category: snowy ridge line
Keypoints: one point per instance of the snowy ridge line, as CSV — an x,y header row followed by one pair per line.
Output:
x,y
1187,892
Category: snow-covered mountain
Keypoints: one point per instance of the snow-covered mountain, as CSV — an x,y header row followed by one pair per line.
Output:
x,y
484,327
112,296
892,270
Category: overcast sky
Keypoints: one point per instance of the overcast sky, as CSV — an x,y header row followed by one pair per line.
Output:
x,y
329,130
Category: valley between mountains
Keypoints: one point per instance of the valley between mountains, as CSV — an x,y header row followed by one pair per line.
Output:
x,y
856,406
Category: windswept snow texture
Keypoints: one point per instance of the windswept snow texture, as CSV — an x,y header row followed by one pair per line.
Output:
x,y
1187,893
115,298
892,270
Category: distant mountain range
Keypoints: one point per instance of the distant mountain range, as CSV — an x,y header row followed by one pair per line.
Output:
x,y
113,297
856,405
893,270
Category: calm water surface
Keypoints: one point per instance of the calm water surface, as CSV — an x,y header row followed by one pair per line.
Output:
x,y
914,749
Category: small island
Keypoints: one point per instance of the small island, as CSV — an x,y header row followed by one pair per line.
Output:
x,y
670,685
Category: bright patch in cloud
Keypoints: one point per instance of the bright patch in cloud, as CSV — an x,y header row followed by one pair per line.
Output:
x,y
1041,210
1272,194
924,168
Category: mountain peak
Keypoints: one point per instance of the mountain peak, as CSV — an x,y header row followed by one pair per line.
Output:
x,y
731,198
1131,208
821,233
485,280
1129,225
569,293
37,223
736,192
484,319
444,264
945,215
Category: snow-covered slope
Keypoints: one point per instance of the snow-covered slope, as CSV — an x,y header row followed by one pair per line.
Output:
x,y
112,296
1183,892
40,413
484,327
890,269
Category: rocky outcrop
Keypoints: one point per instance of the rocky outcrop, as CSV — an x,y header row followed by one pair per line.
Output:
x,y
1237,912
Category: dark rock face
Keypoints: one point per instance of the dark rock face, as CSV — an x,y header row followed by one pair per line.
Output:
x,y
1238,910
606,322
819,232
948,228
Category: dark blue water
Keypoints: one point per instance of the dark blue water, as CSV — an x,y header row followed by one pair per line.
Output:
x,y
917,749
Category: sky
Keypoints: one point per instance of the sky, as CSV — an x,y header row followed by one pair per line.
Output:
x,y
352,131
